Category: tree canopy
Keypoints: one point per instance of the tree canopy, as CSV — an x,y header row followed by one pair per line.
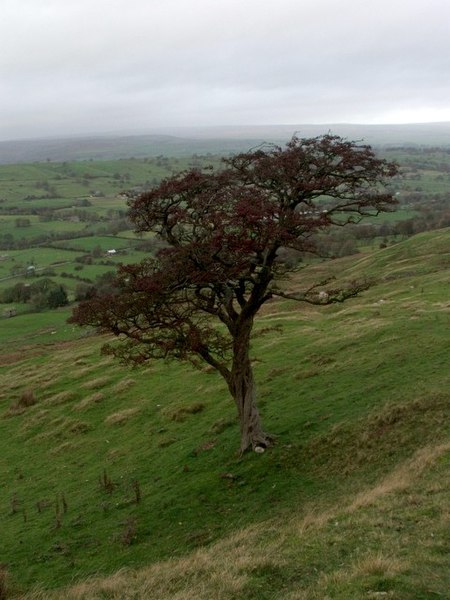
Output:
x,y
224,233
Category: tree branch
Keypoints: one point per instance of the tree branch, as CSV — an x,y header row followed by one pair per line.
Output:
x,y
325,296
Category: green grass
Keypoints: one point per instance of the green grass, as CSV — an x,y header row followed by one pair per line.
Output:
x,y
36,328
65,269
350,391
72,180
401,214
38,228
41,257
87,244
346,389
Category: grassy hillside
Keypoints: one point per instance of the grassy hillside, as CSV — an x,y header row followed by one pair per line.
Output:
x,y
389,540
104,468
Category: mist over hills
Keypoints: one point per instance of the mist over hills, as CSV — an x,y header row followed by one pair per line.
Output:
x,y
218,140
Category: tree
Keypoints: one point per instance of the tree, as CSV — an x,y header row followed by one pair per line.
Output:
x,y
223,231
56,297
18,293
84,291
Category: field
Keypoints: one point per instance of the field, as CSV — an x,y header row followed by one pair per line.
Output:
x,y
119,483
143,462
51,213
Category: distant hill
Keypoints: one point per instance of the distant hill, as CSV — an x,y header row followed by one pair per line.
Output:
x,y
420,134
216,140
113,147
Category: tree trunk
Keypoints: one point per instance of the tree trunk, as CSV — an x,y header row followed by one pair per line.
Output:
x,y
242,388
252,434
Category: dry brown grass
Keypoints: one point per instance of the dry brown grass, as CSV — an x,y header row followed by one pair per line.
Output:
x,y
361,568
18,357
89,401
60,398
276,373
34,378
218,573
181,413
106,361
306,373
61,428
166,442
49,435
77,427
19,406
34,419
64,447
123,385
79,373
26,399
401,477
360,327
221,424
377,564
122,416
94,384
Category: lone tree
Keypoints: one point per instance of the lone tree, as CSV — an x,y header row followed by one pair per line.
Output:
x,y
223,232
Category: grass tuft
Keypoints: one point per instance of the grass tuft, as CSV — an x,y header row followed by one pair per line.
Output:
x,y
123,385
60,398
19,406
79,427
181,413
121,417
89,401
222,424
94,384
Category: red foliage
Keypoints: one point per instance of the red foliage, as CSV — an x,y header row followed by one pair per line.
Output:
x,y
223,232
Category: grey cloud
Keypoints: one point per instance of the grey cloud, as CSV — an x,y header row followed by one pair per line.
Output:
x,y
68,67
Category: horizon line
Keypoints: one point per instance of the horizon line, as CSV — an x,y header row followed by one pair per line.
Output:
x,y
165,128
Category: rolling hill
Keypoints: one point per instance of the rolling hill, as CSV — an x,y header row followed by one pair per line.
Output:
x,y
216,140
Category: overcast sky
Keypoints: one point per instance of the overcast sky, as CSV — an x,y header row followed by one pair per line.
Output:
x,y
85,66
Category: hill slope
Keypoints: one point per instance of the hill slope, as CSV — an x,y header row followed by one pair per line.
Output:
x,y
111,468
389,540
